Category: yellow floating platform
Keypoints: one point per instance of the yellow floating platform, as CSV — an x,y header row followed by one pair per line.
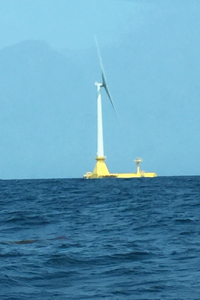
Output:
x,y
101,171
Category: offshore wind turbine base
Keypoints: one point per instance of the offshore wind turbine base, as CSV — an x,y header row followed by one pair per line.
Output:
x,y
101,171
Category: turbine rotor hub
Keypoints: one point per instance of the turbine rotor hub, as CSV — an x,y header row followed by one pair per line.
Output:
x,y
98,84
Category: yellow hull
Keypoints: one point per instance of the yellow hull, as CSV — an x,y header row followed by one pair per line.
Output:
x,y
134,175
101,171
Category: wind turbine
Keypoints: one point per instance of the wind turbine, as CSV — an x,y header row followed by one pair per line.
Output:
x,y
103,84
101,170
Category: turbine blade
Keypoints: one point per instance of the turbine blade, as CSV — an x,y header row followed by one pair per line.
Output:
x,y
109,96
104,84
101,63
103,79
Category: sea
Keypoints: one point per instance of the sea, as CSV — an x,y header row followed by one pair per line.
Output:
x,y
100,239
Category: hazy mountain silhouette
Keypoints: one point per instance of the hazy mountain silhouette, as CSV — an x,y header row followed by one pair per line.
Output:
x,y
40,109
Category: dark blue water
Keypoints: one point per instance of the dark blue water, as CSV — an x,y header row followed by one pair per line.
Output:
x,y
100,239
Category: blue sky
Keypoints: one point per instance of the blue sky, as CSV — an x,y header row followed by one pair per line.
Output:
x,y
150,50
70,24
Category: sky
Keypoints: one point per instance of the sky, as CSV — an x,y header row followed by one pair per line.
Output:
x,y
48,67
70,24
